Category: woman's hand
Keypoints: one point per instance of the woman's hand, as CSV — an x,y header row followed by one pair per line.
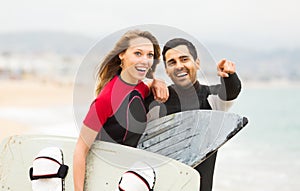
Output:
x,y
160,90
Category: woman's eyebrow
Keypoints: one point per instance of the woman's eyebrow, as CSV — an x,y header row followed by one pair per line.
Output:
x,y
143,50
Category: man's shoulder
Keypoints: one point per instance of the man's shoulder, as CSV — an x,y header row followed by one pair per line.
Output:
x,y
199,88
209,89
171,87
214,89
172,93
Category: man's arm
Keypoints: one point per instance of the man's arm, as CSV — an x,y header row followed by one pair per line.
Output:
x,y
230,82
229,89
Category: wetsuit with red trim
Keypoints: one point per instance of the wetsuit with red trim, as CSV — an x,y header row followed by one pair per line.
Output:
x,y
118,113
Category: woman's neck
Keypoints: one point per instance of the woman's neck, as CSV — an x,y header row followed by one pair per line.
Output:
x,y
127,79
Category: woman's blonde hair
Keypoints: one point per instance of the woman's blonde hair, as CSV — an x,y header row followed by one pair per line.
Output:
x,y
110,66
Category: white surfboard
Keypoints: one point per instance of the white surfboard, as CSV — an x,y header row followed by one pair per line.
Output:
x,y
191,136
105,166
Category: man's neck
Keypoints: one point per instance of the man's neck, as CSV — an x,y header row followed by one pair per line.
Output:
x,y
186,89
188,96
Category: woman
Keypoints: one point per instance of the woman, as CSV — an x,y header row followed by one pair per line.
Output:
x,y
118,113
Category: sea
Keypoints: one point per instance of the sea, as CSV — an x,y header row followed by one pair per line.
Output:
x,y
264,156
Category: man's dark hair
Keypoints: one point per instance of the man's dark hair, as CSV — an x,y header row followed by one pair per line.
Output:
x,y
177,42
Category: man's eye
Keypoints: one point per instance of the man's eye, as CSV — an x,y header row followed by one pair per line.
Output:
x,y
171,63
184,59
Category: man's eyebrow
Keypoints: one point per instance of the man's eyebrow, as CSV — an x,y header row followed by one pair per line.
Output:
x,y
171,60
183,56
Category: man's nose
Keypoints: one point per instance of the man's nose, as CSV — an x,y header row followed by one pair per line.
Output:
x,y
179,65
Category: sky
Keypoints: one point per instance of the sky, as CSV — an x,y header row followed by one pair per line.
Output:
x,y
265,24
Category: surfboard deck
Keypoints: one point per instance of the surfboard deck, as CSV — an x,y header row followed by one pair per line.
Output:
x,y
191,136
105,164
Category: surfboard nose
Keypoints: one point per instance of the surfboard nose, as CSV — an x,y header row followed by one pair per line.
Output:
x,y
240,125
245,121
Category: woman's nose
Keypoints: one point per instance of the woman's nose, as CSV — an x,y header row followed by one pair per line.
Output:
x,y
146,61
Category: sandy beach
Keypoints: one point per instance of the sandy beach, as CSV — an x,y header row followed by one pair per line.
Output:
x,y
28,94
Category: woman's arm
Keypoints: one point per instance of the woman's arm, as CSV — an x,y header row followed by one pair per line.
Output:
x,y
84,142
159,89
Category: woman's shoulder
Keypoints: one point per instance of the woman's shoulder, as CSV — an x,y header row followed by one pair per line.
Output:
x,y
143,88
142,84
105,93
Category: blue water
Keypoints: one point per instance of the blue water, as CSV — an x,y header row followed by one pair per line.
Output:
x,y
265,155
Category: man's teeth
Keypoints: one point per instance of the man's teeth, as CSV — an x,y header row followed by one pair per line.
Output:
x,y
181,74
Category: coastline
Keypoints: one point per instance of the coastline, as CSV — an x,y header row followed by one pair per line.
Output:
x,y
34,94
28,95
271,84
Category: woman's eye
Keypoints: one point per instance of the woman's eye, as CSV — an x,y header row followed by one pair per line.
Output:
x,y
138,53
150,55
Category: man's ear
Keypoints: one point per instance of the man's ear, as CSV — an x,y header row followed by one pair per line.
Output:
x,y
167,71
197,63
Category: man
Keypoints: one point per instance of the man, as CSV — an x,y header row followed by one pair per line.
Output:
x,y
181,65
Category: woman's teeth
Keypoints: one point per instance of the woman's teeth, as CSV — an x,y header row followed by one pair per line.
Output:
x,y
140,69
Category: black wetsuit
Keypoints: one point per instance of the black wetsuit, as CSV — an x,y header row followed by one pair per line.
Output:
x,y
196,97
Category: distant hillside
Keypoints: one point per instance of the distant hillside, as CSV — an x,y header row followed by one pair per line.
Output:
x,y
34,42
259,64
251,64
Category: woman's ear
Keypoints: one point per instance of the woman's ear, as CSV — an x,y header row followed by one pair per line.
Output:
x,y
121,55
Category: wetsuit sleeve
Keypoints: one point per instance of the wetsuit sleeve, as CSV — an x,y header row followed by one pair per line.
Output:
x,y
230,87
97,115
149,101
146,91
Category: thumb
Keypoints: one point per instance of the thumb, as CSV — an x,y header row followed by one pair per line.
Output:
x,y
223,74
